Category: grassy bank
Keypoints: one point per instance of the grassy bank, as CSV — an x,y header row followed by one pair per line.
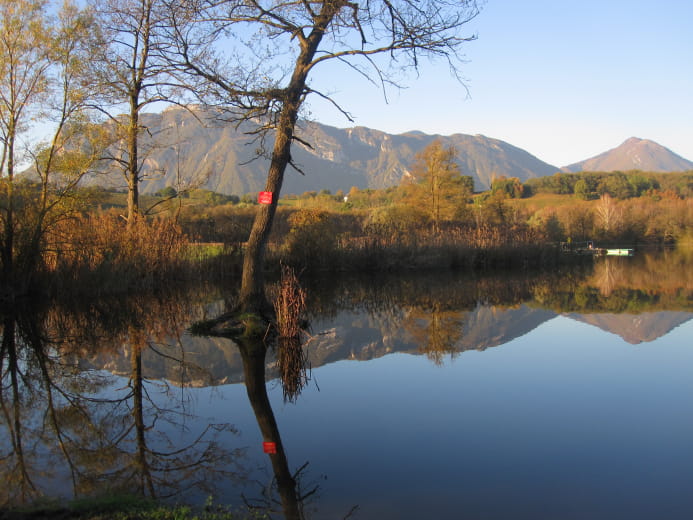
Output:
x,y
125,507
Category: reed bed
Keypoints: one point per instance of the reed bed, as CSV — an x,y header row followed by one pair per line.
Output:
x,y
104,254
456,247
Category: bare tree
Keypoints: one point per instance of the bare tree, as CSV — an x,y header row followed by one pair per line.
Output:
x,y
255,58
608,213
133,76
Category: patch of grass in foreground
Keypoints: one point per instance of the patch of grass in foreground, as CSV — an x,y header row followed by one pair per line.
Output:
x,y
126,507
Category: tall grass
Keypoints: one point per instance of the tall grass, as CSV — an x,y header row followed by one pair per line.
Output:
x,y
107,255
383,247
213,261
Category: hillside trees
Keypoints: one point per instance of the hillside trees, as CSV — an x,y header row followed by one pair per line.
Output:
x,y
620,185
511,187
280,45
583,190
43,80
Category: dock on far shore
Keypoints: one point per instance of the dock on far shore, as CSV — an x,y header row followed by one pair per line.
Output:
x,y
588,248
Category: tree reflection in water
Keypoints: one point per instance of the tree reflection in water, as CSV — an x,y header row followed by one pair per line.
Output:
x,y
62,418
436,330
291,498
444,314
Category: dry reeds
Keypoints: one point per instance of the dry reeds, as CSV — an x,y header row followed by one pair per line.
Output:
x,y
289,304
102,250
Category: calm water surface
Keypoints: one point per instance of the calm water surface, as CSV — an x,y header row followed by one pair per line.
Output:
x,y
558,396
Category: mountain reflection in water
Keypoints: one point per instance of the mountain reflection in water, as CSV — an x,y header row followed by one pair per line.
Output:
x,y
116,395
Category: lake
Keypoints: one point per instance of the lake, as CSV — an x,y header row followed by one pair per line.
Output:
x,y
562,395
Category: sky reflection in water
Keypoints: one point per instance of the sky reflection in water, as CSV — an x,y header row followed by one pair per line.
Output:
x,y
553,418
565,422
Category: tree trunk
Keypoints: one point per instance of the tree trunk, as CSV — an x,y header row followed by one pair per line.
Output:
x,y
8,239
252,297
132,173
133,198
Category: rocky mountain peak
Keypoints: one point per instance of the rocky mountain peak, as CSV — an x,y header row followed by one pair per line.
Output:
x,y
634,154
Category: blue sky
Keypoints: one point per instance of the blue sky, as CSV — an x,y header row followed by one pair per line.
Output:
x,y
563,80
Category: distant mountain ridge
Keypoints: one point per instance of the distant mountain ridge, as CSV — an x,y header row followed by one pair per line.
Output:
x,y
190,144
224,158
385,158
634,154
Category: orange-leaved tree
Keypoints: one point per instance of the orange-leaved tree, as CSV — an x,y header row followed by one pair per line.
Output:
x,y
437,186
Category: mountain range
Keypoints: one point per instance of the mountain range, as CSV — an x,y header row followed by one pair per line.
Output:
x,y
193,146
